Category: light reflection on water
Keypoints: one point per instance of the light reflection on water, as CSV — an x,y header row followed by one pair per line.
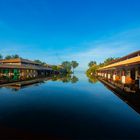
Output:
x,y
62,109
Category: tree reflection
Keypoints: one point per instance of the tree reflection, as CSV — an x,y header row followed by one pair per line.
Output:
x,y
92,79
74,79
67,78
16,83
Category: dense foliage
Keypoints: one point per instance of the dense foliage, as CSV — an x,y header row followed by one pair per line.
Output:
x,y
10,56
66,78
40,62
93,66
68,66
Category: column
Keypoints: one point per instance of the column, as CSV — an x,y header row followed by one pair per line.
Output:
x,y
136,74
114,76
123,77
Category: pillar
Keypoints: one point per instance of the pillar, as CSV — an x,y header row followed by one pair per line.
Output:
x,y
105,75
123,77
109,75
114,76
136,74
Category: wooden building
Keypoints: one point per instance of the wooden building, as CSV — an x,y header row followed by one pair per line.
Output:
x,y
23,67
125,70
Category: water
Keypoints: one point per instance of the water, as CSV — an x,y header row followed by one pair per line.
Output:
x,y
65,110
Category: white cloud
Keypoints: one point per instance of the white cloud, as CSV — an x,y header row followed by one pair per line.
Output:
x,y
116,45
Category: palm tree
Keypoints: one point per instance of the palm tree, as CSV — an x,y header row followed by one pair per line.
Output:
x,y
74,64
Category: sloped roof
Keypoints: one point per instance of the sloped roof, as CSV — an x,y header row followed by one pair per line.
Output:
x,y
131,55
24,67
131,61
17,60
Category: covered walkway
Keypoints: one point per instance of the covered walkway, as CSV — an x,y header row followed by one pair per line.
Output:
x,y
125,71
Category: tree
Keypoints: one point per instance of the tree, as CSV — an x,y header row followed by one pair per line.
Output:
x,y
91,63
43,63
12,56
93,67
92,70
74,79
92,79
109,60
101,64
15,56
66,78
8,57
67,66
37,61
74,64
54,67
1,56
40,62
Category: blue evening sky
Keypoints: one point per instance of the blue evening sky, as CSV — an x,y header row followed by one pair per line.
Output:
x,y
59,30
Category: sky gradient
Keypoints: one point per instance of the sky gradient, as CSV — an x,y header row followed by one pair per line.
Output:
x,y
59,30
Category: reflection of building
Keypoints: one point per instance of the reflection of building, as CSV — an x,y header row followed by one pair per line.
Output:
x,y
26,83
132,100
23,67
125,71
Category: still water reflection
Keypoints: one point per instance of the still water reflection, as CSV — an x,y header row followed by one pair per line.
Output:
x,y
71,107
